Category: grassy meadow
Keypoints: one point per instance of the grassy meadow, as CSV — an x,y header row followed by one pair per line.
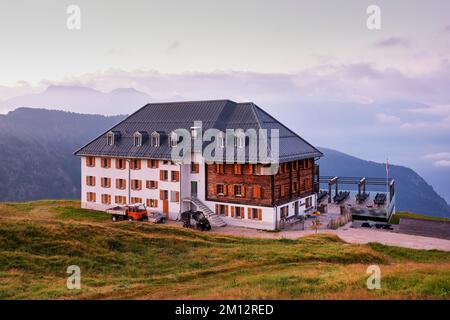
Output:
x,y
396,217
135,260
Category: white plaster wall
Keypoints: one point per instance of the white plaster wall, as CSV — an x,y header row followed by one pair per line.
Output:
x,y
143,174
97,171
185,185
199,177
174,208
266,223
301,207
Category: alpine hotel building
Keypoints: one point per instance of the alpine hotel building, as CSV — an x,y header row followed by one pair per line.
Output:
x,y
132,163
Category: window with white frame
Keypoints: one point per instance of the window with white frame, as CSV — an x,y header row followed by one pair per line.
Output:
x,y
284,212
110,138
238,190
164,175
194,132
90,196
220,189
164,194
137,139
105,182
239,139
221,209
173,139
221,140
155,139
308,202
152,203
174,196
120,199
121,184
120,163
135,184
254,213
152,184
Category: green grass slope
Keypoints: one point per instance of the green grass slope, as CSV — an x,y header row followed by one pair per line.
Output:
x,y
396,217
39,240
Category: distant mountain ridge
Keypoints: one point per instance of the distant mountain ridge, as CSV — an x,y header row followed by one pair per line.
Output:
x,y
36,147
37,161
80,98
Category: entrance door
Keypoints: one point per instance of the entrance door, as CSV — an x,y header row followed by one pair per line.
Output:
x,y
193,188
296,208
166,207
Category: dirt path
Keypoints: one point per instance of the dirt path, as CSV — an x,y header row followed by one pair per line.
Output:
x,y
351,235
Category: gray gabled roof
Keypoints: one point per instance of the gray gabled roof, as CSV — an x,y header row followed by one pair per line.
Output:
x,y
218,114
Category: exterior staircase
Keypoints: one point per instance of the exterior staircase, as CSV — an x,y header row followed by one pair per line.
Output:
x,y
213,218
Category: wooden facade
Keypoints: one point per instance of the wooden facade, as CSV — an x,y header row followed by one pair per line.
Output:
x,y
244,183
293,180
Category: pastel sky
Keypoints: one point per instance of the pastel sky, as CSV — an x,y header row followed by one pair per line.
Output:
x,y
207,35
312,60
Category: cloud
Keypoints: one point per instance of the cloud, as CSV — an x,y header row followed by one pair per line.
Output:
x,y
416,125
442,163
432,116
359,82
439,159
21,87
115,52
387,119
392,42
384,94
438,110
173,47
360,99
438,155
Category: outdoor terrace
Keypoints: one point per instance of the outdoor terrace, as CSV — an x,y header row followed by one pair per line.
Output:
x,y
366,198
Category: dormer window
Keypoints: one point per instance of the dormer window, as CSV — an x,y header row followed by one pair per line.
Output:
x,y
137,139
194,132
155,139
239,139
221,140
173,139
112,137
